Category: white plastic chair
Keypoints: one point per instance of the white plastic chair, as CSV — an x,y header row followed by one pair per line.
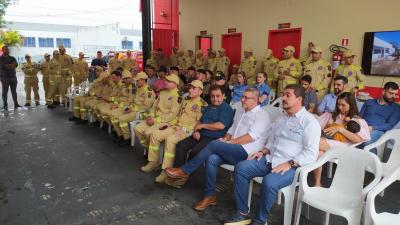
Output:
x,y
393,161
277,101
271,97
288,194
373,218
331,162
345,197
236,106
132,125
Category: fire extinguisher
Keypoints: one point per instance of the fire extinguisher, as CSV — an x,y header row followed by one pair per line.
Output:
x,y
337,56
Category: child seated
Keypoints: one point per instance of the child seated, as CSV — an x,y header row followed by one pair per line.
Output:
x,y
351,126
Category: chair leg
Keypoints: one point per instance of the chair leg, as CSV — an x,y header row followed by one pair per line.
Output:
x,y
250,193
109,129
326,219
101,124
288,210
298,211
382,193
279,200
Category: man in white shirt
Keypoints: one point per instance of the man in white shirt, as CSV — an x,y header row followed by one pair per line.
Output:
x,y
246,136
293,143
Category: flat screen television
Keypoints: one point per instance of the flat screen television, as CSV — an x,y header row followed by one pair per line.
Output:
x,y
381,53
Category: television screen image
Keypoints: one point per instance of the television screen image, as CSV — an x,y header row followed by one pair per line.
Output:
x,y
385,54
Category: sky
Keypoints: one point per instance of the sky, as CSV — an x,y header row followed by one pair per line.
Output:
x,y
76,12
393,36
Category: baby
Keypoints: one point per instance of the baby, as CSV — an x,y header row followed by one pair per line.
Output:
x,y
351,126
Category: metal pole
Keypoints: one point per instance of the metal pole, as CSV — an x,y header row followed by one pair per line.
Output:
x,y
146,29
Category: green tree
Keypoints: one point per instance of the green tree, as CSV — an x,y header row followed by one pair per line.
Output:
x,y
3,6
10,38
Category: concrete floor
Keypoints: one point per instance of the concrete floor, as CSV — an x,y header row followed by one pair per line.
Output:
x,y
55,172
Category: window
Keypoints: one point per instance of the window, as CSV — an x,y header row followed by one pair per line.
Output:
x,y
140,45
46,42
127,44
64,41
29,42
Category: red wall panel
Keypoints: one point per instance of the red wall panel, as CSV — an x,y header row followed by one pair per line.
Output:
x,y
232,43
165,39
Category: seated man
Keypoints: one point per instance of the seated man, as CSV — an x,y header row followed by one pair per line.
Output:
x,y
163,112
310,99
215,121
247,135
141,101
293,143
328,103
381,114
173,133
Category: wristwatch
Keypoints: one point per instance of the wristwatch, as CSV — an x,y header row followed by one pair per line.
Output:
x,y
292,164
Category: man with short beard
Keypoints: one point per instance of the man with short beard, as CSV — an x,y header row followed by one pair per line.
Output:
x,y
382,114
328,103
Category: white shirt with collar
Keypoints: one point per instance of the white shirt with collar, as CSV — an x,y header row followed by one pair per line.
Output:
x,y
294,138
254,122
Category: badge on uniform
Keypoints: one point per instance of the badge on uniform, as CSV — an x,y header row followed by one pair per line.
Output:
x,y
179,99
320,67
170,98
291,64
350,73
194,107
149,94
142,95
271,65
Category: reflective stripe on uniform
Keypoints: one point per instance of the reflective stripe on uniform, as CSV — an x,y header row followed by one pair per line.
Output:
x,y
153,148
82,110
122,125
169,155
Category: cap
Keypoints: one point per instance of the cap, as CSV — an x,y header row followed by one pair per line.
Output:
x,y
173,78
126,74
27,55
98,68
141,75
268,53
316,49
235,66
181,51
219,76
289,48
199,52
46,54
222,50
56,52
348,53
248,49
213,51
81,53
197,83
61,47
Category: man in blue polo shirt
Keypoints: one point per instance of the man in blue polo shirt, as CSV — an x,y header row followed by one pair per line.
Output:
x,y
214,123
381,114
328,103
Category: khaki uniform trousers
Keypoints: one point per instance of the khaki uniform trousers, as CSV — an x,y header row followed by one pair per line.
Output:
x,y
171,139
143,131
31,84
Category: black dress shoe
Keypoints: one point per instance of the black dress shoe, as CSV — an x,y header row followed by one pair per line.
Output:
x,y
80,122
17,106
5,107
27,104
37,103
124,142
56,103
52,106
73,119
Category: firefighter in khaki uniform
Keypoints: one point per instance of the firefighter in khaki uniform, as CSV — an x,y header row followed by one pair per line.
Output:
x,y
248,65
173,58
110,99
94,89
200,62
141,101
45,70
101,96
129,62
121,100
81,69
306,59
212,61
114,63
353,72
55,72
181,60
189,115
67,67
288,70
164,111
269,65
31,80
320,72
190,59
223,62
152,61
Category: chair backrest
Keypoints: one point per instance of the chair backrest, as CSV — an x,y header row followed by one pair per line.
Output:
x,y
277,101
393,161
273,112
237,105
271,97
370,212
351,166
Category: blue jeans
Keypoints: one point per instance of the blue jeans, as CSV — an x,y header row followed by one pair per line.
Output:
x,y
272,182
216,153
375,135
